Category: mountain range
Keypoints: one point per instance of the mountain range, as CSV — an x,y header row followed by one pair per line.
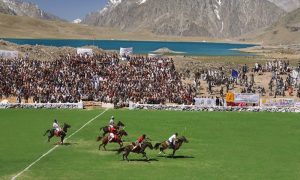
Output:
x,y
206,18
20,8
271,21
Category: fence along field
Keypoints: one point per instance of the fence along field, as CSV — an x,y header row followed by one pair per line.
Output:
x,y
222,145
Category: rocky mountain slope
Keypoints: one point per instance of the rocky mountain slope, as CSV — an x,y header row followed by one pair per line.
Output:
x,y
205,18
287,5
19,8
285,31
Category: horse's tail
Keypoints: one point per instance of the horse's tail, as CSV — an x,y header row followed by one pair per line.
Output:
x,y
46,132
157,145
121,150
99,138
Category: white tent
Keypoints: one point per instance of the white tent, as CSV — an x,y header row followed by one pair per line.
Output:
x,y
84,51
126,51
151,55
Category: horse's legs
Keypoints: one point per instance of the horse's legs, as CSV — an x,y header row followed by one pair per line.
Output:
x,y
173,152
62,140
50,136
100,146
120,144
161,150
127,153
63,135
145,155
123,156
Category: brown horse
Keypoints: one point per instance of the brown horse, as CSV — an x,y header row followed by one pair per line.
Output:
x,y
117,139
139,150
165,145
62,134
106,128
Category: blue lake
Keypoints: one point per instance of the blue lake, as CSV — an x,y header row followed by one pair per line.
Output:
x,y
145,47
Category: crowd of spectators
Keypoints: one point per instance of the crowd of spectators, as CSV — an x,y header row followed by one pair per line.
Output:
x,y
281,80
102,77
106,78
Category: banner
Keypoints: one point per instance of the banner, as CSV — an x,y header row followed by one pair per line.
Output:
x,y
246,98
229,97
126,51
297,104
210,109
85,51
7,105
282,102
8,54
205,102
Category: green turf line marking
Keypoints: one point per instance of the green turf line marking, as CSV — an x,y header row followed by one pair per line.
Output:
x,y
52,149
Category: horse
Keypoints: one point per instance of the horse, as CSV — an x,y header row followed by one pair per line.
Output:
x,y
165,145
62,134
129,148
106,128
117,139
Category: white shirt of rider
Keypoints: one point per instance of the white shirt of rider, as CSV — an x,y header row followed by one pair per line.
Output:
x,y
173,137
111,121
56,126
111,135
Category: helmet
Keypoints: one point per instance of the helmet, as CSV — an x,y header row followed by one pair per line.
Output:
x,y
112,117
55,120
144,135
176,134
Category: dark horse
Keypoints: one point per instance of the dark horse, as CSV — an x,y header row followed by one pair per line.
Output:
x,y
106,128
164,145
139,150
117,139
62,134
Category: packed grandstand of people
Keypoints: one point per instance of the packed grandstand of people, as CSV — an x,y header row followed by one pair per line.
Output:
x,y
106,78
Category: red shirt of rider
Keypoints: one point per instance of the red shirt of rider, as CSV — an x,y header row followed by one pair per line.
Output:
x,y
140,139
112,130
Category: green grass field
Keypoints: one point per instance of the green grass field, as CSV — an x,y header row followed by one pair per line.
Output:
x,y
222,145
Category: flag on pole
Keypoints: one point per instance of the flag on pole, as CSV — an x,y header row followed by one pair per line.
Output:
x,y
234,74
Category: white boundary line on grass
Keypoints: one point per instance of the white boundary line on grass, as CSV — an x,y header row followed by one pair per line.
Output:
x,y
52,149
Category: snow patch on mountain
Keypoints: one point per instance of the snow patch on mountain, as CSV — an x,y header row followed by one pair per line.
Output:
x,y
77,21
141,2
115,2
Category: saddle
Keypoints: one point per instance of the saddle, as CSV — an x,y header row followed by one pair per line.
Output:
x,y
116,139
170,145
57,133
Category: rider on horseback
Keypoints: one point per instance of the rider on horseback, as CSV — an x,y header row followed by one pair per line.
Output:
x,y
111,123
56,126
139,142
112,133
172,140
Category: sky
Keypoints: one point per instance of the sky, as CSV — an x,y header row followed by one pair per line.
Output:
x,y
69,9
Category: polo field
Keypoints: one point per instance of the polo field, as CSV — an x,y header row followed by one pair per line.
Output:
x,y
221,145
